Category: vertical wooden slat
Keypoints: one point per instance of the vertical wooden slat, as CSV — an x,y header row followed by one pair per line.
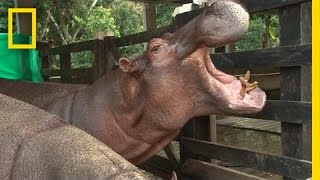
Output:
x,y
306,74
99,59
112,53
149,17
45,62
65,68
45,65
197,128
292,80
24,20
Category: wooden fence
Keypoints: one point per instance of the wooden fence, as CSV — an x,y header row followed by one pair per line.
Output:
x,y
293,110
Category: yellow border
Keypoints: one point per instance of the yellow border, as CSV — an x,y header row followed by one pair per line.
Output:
x,y
315,90
33,31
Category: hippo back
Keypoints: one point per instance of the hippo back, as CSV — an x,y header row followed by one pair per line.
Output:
x,y
37,94
37,145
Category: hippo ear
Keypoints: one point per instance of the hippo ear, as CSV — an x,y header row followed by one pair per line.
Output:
x,y
128,66
125,64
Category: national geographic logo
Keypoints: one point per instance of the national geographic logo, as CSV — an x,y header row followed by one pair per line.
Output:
x,y
33,34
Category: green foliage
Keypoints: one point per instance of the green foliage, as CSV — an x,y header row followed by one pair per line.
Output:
x,y
252,39
98,20
128,17
164,15
4,5
274,30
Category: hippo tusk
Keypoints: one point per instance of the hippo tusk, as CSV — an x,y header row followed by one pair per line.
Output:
x,y
246,87
247,76
174,176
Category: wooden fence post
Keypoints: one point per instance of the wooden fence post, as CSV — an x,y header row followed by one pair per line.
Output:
x,y
196,128
65,68
99,60
306,74
111,52
45,62
295,81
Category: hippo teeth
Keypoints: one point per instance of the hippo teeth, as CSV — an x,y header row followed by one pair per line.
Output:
x,y
246,87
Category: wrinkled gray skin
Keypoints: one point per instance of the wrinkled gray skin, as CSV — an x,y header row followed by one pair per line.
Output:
x,y
139,108
40,146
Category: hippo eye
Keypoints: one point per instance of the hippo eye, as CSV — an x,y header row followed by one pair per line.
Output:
x,y
155,49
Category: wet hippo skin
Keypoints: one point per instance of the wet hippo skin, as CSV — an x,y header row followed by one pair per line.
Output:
x,y
140,107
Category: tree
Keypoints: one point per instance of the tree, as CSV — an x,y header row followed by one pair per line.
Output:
x,y
261,28
99,19
128,17
72,20
164,14
4,5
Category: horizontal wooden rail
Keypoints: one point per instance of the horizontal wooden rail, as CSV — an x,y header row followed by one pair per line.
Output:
x,y
285,56
254,6
81,72
159,166
205,171
285,111
141,37
70,48
276,164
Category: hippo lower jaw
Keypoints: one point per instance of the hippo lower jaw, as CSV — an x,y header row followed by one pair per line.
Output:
x,y
230,91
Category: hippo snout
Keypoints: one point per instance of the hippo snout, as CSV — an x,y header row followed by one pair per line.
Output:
x,y
223,22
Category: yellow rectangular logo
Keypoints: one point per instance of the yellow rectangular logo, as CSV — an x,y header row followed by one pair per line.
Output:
x,y
10,29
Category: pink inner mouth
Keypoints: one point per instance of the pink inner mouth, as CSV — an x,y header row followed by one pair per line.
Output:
x,y
230,87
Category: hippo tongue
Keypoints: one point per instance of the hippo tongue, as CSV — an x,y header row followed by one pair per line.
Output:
x,y
230,89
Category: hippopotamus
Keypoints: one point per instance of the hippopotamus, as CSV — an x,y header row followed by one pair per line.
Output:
x,y
140,107
35,144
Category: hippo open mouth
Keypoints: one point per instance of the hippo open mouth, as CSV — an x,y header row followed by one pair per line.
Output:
x,y
238,94
221,23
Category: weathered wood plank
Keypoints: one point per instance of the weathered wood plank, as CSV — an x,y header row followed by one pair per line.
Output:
x,y
99,60
197,128
254,6
65,66
294,55
291,79
286,111
282,165
111,52
73,72
205,171
69,48
42,46
253,70
159,166
149,17
306,73
141,37
250,124
173,156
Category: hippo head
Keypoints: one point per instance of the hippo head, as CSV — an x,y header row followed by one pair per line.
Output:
x,y
178,77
